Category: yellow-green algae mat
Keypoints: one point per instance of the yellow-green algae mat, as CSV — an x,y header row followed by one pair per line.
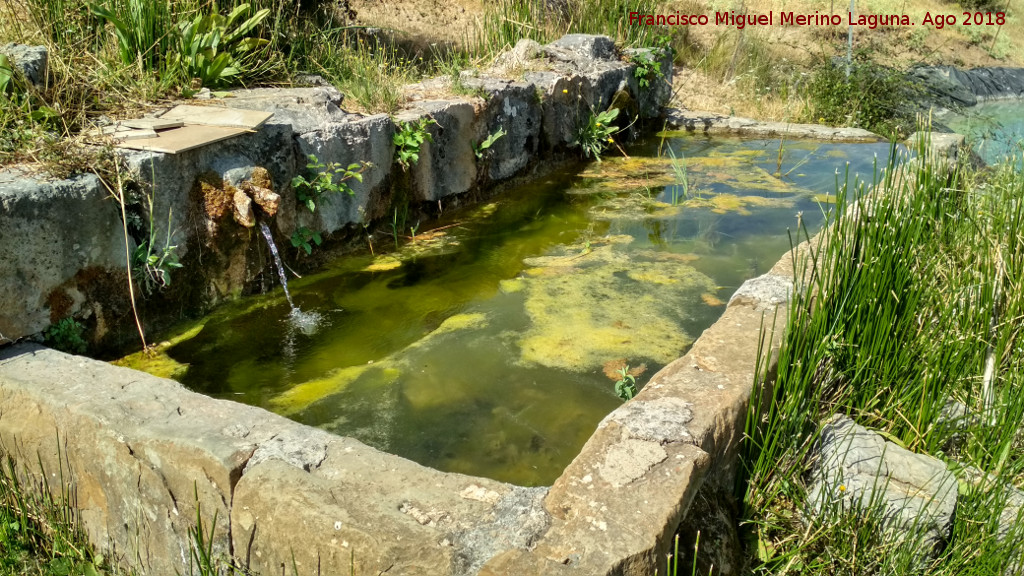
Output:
x,y
490,343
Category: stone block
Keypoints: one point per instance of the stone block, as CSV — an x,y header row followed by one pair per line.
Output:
x,y
515,108
32,61
356,140
858,470
447,165
53,236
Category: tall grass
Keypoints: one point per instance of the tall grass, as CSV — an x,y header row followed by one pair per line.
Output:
x,y
507,21
39,531
910,294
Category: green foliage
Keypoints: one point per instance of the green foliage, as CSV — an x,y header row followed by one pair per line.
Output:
x,y
40,533
142,29
214,47
873,97
648,63
595,136
505,22
908,306
625,388
8,84
153,261
488,142
324,180
305,239
327,179
66,336
681,189
408,140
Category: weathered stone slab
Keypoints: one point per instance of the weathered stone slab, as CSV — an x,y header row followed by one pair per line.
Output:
x,y
52,235
515,108
358,139
140,449
447,165
946,148
712,123
857,470
301,109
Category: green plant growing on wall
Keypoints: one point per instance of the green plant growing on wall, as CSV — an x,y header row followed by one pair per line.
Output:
x,y
213,47
595,136
305,239
648,63
327,179
488,142
324,180
66,336
625,388
408,140
152,264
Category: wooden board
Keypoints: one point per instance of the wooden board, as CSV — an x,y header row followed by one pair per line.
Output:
x,y
185,138
121,133
151,123
217,116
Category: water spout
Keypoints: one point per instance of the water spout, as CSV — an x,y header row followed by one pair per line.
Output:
x,y
277,261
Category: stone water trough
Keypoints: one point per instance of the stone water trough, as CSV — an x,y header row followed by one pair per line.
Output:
x,y
146,458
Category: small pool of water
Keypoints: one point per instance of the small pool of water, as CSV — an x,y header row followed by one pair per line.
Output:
x,y
490,345
995,129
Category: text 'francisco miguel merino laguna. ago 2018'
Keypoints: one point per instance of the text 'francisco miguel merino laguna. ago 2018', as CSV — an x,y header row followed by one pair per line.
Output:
x,y
741,21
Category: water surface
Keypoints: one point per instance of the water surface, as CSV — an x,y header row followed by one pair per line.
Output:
x,y
994,129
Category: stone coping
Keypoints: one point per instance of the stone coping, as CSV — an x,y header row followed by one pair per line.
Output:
x,y
713,123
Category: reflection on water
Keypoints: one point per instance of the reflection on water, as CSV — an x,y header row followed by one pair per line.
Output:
x,y
491,347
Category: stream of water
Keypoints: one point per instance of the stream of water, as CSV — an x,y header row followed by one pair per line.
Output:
x,y
490,345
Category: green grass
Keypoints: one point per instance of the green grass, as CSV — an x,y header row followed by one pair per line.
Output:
x,y
899,312
40,533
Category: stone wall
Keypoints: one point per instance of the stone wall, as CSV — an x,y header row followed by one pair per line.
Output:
x,y
57,236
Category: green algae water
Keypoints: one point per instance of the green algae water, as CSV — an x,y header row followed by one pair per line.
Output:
x,y
490,345
994,129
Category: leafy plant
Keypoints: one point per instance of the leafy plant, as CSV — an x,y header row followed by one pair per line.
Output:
x,y
873,97
596,134
213,46
305,238
7,81
408,140
625,388
66,336
488,142
142,29
152,265
648,63
326,179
